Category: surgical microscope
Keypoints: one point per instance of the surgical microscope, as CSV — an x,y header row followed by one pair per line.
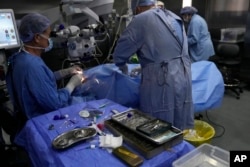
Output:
x,y
84,29
83,33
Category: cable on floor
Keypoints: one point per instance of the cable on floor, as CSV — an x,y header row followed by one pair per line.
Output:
x,y
222,127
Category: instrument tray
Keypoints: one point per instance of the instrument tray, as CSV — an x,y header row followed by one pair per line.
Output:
x,y
151,128
147,148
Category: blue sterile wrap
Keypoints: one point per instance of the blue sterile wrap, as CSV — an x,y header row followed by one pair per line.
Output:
x,y
106,81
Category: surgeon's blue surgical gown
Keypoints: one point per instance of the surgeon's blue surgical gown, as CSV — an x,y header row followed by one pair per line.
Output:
x,y
165,90
199,39
35,85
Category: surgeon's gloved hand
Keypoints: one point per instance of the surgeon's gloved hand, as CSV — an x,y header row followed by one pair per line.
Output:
x,y
74,70
68,72
124,69
74,81
135,72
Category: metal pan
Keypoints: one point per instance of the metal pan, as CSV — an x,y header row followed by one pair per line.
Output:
x,y
72,137
134,119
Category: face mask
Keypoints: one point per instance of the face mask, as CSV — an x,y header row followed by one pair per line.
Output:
x,y
50,43
45,49
186,18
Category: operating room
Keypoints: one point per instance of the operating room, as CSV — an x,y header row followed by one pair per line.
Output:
x,y
107,80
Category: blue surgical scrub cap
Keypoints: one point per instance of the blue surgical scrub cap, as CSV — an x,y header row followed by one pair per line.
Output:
x,y
32,24
135,3
188,10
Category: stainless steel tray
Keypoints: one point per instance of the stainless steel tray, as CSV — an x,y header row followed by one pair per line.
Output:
x,y
132,119
72,137
147,148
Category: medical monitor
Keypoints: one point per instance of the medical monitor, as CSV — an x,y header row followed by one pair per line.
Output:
x,y
9,37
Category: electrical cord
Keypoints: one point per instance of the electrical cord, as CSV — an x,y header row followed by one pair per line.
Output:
x,y
118,30
115,40
216,124
63,64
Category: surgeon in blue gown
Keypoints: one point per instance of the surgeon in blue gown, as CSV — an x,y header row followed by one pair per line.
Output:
x,y
31,84
200,44
158,38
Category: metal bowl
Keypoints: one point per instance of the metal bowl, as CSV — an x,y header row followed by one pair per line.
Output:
x,y
72,137
62,142
81,133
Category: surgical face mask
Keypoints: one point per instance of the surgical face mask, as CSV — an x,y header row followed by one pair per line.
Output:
x,y
45,49
186,18
50,43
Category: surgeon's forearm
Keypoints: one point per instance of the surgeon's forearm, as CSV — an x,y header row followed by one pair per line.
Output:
x,y
57,75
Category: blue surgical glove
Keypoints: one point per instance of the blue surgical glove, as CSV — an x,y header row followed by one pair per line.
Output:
x,y
67,72
124,69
